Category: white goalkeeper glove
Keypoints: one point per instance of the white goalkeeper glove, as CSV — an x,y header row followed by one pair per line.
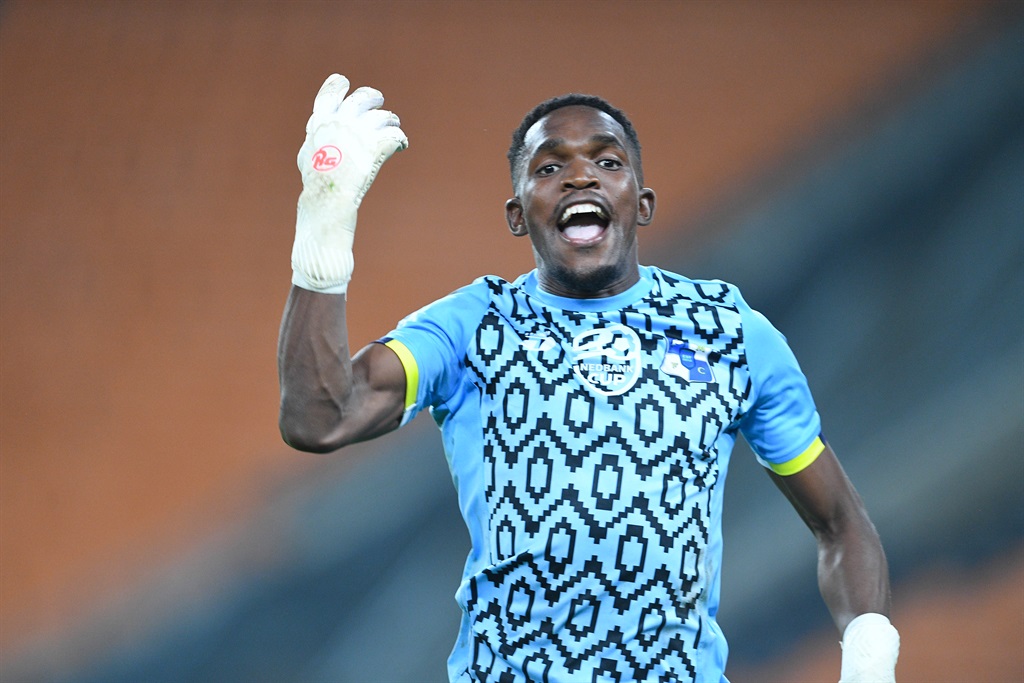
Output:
x,y
347,140
871,646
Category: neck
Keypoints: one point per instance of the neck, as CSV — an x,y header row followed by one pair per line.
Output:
x,y
599,283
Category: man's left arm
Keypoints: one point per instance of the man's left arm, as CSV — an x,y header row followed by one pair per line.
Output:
x,y
853,574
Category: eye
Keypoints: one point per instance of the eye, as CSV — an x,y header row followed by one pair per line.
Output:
x,y
546,169
610,164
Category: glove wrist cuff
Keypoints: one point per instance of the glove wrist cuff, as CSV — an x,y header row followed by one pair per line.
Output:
x,y
299,280
871,646
322,258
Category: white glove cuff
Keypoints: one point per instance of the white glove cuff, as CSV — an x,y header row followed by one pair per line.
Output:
x,y
299,281
871,646
325,227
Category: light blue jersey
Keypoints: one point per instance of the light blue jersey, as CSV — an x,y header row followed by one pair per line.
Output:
x,y
588,441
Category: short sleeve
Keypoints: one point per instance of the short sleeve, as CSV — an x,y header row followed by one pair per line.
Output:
x,y
782,425
431,344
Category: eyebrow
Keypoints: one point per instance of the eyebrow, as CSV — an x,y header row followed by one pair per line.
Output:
x,y
601,139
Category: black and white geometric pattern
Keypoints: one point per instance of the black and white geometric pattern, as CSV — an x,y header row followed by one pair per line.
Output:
x,y
599,504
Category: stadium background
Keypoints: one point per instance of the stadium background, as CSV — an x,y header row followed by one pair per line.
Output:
x,y
855,166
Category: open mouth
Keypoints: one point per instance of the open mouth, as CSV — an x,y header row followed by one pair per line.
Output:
x,y
583,223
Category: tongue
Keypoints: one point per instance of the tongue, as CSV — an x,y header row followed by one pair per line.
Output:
x,y
582,232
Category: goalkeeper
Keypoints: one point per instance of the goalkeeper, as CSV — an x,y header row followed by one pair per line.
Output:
x,y
588,411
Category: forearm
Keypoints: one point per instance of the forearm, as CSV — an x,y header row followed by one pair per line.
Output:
x,y
853,574
854,580
314,369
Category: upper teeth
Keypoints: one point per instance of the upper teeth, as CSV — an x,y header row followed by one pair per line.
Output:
x,y
581,208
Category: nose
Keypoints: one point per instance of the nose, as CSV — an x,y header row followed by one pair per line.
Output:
x,y
579,174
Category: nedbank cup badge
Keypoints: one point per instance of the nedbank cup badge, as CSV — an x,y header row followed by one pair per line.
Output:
x,y
607,358
689,364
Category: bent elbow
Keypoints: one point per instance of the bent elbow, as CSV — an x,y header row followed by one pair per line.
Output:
x,y
302,436
304,444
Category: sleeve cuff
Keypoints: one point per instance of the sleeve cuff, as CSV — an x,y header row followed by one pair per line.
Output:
x,y
412,374
800,462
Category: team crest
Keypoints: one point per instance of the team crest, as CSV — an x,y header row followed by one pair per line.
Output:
x,y
686,363
607,359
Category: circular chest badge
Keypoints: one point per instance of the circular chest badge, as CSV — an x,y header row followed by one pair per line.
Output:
x,y
326,158
607,359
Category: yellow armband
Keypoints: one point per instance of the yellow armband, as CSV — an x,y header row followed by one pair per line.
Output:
x,y
801,461
412,371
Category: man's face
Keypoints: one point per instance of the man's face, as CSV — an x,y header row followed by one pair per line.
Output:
x,y
579,201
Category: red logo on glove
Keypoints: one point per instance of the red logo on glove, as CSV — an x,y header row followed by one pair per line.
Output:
x,y
326,158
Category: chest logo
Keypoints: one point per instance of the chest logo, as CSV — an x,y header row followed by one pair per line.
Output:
x,y
607,359
689,364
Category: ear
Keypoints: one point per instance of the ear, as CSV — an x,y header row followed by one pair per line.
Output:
x,y
645,208
514,216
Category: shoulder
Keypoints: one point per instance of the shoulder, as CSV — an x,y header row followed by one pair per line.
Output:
x,y
719,299
458,303
711,292
453,318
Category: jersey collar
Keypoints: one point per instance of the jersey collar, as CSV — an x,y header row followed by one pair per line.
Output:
x,y
641,289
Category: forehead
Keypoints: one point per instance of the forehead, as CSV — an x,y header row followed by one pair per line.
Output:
x,y
577,124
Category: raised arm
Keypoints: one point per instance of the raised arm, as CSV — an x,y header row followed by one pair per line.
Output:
x,y
853,575
327,399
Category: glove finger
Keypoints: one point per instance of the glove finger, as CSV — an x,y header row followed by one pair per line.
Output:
x,y
362,100
331,95
392,139
380,118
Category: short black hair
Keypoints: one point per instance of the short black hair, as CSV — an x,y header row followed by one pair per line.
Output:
x,y
518,147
